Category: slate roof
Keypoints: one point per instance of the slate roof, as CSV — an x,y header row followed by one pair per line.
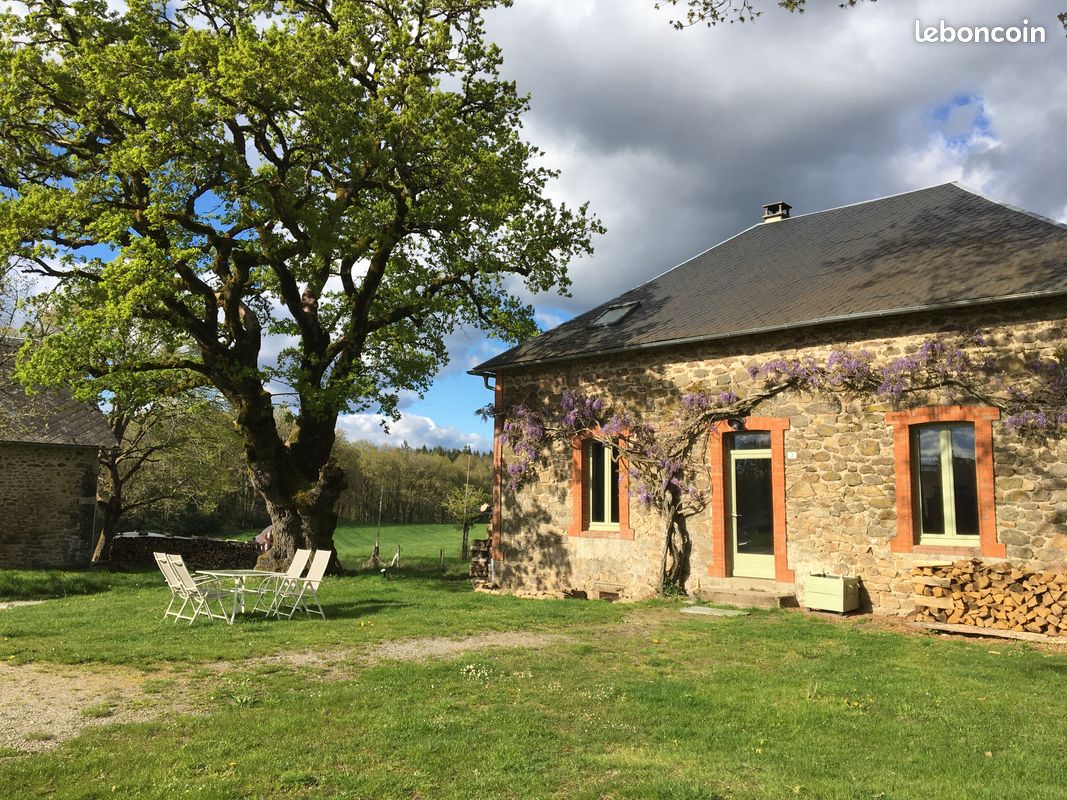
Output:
x,y
929,249
48,417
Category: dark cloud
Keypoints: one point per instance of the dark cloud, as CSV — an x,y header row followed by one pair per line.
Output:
x,y
678,138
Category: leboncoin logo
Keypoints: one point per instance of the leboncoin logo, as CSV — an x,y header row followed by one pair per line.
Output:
x,y
943,33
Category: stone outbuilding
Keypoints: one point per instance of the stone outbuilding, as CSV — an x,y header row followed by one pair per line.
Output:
x,y
49,461
858,487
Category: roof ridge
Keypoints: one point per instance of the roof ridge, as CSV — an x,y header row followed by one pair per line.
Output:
x,y
1009,206
867,202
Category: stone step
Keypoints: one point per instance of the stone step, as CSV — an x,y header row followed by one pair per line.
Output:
x,y
707,611
748,598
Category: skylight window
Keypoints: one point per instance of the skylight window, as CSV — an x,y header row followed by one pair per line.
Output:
x,y
614,314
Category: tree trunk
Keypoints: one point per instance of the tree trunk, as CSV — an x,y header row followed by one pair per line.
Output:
x,y
110,514
305,518
110,507
298,480
464,550
680,546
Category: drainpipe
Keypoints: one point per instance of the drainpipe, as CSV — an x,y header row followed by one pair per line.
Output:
x,y
498,456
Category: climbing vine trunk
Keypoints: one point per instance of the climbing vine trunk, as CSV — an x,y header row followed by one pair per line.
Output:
x,y
674,555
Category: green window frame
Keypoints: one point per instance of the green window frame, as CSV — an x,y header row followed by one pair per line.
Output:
x,y
945,484
601,486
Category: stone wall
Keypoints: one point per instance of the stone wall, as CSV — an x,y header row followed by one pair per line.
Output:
x,y
840,487
47,505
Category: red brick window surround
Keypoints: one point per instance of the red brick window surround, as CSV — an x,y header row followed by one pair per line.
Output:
x,y
580,525
903,422
718,443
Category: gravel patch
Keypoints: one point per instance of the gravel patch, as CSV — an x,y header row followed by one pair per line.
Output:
x,y
16,603
422,649
439,647
42,706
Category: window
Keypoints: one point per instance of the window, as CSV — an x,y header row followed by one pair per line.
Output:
x,y
601,486
945,475
600,490
944,480
751,440
614,314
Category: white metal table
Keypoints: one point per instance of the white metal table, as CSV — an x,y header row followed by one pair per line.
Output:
x,y
240,578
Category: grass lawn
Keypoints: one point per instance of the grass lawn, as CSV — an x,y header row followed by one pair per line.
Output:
x,y
420,547
355,542
619,701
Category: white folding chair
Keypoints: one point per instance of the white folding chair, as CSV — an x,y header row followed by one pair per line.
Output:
x,y
202,594
271,585
298,593
177,590
173,584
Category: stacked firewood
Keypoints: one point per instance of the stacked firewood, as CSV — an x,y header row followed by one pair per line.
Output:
x,y
481,556
135,552
995,596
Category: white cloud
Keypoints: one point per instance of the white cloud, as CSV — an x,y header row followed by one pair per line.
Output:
x,y
411,428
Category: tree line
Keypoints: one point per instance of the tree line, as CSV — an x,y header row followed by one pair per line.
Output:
x,y
192,477
411,483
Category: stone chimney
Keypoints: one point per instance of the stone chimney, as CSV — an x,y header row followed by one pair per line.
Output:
x,y
773,212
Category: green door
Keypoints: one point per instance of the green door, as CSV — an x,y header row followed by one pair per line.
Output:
x,y
752,511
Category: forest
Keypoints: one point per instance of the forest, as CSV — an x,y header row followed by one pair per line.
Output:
x,y
194,479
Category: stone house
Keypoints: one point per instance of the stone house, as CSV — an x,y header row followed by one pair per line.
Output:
x,y
49,460
812,484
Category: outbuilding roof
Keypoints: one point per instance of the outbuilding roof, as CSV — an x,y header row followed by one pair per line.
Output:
x,y
929,249
50,416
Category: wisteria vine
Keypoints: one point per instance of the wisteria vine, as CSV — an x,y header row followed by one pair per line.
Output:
x,y
657,455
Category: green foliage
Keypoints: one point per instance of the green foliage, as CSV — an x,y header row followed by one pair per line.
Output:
x,y
194,479
348,173
671,588
463,505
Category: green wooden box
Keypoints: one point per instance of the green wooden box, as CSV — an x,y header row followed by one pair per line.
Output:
x,y
838,593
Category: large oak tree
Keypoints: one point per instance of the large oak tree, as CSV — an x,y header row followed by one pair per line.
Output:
x,y
346,177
